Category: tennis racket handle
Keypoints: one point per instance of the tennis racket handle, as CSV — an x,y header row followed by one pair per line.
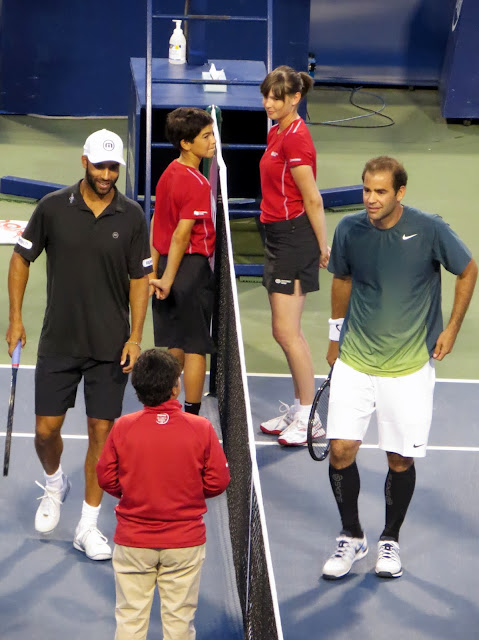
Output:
x,y
16,354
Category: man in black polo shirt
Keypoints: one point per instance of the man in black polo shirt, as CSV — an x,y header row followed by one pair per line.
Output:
x,y
98,259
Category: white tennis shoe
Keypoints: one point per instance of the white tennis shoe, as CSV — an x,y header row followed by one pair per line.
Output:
x,y
48,513
348,550
389,561
276,425
296,434
92,543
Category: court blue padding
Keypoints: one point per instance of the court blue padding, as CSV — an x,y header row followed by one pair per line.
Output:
x,y
26,188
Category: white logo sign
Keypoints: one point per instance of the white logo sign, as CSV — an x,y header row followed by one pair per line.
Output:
x,y
162,418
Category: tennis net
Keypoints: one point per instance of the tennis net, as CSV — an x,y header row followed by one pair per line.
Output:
x,y
249,537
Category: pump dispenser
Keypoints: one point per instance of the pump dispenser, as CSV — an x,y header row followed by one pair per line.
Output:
x,y
177,54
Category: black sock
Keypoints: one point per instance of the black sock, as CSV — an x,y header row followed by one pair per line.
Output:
x,y
398,491
345,485
192,407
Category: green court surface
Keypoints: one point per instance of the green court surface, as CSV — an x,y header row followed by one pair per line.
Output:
x,y
442,161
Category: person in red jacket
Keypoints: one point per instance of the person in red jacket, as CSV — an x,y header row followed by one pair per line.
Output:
x,y
162,463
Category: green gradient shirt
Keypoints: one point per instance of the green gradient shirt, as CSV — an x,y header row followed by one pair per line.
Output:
x,y
394,315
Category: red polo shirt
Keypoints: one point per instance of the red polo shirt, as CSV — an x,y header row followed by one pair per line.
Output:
x,y
289,148
183,193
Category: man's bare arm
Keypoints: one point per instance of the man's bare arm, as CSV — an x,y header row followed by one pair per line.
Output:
x,y
18,273
465,283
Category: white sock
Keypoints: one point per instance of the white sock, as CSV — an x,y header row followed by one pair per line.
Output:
x,y
89,516
304,410
55,481
296,404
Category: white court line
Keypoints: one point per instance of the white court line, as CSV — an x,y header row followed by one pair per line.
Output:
x,y
66,436
22,366
281,375
260,443
325,375
264,443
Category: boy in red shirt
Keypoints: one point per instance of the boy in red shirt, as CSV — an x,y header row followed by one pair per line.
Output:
x,y
182,242
162,464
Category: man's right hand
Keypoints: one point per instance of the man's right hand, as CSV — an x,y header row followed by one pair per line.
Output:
x,y
15,332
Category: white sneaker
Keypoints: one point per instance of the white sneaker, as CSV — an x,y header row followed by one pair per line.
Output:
x,y
296,433
93,543
48,513
347,552
276,425
389,562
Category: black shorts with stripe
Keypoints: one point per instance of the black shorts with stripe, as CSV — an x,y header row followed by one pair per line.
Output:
x,y
291,253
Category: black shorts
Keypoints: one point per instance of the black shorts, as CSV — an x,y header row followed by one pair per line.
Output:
x,y
291,253
57,379
183,320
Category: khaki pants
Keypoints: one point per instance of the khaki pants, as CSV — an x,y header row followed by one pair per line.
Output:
x,y
177,574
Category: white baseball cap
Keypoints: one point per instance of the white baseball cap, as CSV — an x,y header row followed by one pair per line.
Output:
x,y
104,146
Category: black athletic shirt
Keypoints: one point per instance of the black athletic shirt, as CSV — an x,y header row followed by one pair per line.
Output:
x,y
89,265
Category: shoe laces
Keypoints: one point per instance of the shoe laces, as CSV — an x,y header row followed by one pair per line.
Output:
x,y
92,531
286,408
388,551
49,493
346,547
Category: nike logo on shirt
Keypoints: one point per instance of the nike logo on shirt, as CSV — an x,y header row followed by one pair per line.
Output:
x,y
405,237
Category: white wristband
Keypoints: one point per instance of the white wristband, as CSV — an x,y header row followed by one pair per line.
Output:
x,y
335,328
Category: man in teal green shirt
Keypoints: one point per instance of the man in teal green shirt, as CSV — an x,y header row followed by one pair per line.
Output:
x,y
386,331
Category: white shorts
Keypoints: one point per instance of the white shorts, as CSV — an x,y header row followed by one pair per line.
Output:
x,y
403,408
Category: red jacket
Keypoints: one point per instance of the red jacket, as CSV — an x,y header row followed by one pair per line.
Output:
x,y
162,463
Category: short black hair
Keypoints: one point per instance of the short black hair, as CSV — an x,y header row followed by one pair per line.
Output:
x,y
185,123
154,375
386,163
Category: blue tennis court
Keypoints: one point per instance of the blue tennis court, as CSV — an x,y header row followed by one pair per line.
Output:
x,y
437,595
49,590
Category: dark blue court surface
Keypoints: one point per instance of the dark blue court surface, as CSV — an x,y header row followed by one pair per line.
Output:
x,y
50,591
437,596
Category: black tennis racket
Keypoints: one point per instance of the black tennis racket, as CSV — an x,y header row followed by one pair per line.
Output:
x,y
318,443
11,405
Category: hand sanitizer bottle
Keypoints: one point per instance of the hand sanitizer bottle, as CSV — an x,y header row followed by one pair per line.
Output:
x,y
177,54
